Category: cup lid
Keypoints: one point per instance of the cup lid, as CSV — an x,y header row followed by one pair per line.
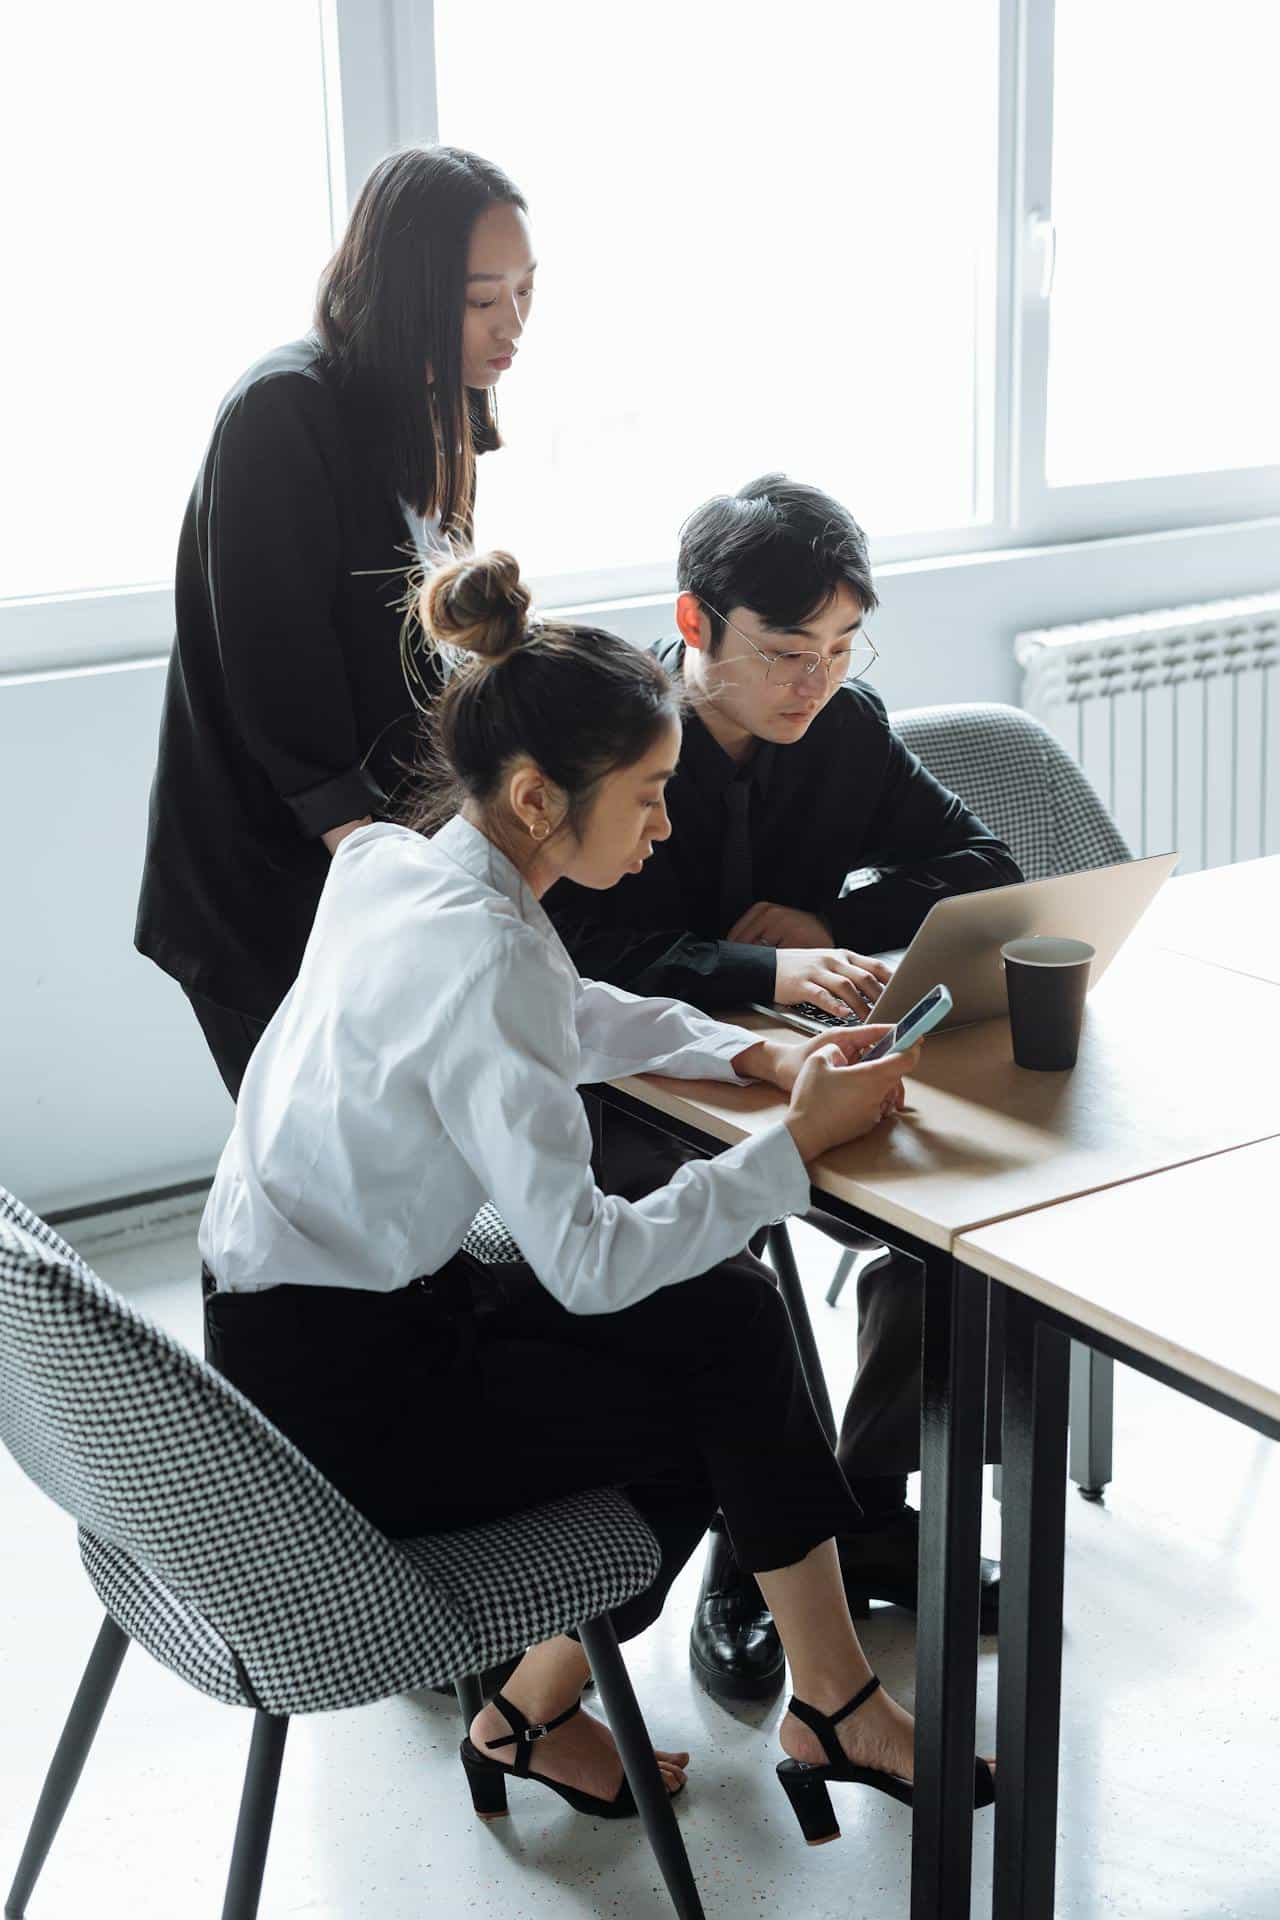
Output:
x,y
1043,950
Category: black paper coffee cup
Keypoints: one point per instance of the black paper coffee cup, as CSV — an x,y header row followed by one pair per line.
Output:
x,y
1047,980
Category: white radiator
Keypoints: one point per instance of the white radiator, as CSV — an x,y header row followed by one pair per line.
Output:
x,y
1175,717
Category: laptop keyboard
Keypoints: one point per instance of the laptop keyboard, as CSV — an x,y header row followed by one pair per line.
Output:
x,y
822,1018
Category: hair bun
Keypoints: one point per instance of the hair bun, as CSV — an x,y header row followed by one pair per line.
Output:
x,y
479,605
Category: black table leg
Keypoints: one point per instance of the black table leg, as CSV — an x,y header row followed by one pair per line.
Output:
x,y
1036,1376
954,1394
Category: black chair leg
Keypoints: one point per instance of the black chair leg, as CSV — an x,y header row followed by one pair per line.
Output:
x,y
257,1805
839,1277
68,1761
599,1643
470,1696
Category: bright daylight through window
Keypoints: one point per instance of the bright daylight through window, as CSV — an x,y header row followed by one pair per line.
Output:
x,y
172,221
759,248
1166,301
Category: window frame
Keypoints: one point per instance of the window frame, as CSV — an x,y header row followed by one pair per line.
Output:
x,y
380,93
1040,513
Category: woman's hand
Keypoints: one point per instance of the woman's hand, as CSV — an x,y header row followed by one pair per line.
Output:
x,y
833,978
835,1098
778,1062
335,836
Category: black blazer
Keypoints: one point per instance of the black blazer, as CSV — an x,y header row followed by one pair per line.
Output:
x,y
847,797
285,709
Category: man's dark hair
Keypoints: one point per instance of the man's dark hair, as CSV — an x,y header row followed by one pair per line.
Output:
x,y
778,547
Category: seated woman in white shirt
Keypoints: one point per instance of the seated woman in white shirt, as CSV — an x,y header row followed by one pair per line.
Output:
x,y
427,1059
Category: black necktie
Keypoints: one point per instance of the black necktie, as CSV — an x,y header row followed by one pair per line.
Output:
x,y
735,856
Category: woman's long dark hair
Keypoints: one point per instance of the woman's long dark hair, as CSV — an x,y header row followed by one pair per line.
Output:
x,y
390,305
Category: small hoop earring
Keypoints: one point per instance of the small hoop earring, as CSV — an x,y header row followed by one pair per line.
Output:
x,y
534,826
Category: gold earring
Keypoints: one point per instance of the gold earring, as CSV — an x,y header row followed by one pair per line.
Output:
x,y
534,826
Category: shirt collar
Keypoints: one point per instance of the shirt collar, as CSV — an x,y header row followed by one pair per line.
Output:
x,y
473,851
707,760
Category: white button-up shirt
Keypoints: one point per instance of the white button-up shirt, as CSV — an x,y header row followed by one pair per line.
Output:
x,y
426,1060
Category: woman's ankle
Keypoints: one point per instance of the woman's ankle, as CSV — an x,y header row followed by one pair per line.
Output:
x,y
829,1686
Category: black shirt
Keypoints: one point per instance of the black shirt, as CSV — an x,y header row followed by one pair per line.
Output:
x,y
846,797
286,710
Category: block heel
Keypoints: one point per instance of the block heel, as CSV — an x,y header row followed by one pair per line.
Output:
x,y
806,1789
487,1781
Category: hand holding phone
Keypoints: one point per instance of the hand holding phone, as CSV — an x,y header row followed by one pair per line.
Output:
x,y
927,1013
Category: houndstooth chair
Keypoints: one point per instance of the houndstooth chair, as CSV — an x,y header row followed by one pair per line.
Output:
x,y
216,1545
1017,778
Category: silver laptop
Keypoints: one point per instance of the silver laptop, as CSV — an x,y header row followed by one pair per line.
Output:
x,y
960,938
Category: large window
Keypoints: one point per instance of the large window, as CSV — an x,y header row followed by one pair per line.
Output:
x,y
996,272
767,239
1165,312
166,214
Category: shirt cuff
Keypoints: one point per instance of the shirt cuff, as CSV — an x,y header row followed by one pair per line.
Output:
x,y
774,1160
347,796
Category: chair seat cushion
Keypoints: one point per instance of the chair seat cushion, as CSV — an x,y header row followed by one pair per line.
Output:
x,y
489,1242
466,1600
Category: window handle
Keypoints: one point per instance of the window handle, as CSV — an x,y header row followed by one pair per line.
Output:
x,y
1042,237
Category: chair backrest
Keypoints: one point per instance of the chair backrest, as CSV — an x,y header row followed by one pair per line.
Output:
x,y
1017,778
154,1454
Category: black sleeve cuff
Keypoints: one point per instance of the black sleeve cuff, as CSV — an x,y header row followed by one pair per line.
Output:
x,y
348,796
745,973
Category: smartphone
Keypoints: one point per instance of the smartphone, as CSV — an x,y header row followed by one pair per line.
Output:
x,y
913,1026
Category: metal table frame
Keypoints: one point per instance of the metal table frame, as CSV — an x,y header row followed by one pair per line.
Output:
x,y
1032,1560
958,1325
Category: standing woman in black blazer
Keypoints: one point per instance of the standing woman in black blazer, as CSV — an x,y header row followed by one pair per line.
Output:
x,y
336,466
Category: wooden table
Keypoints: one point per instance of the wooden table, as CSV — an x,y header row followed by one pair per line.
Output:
x,y
1122,1270
983,1141
1227,915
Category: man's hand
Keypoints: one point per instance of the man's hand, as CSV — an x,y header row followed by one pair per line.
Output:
x,y
767,925
834,978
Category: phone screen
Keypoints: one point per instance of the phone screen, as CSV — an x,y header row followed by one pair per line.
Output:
x,y
903,1033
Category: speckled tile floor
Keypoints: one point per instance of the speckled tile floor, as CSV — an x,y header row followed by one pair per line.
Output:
x,y
1170,1766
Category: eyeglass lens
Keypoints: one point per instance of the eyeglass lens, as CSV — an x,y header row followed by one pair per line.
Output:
x,y
849,664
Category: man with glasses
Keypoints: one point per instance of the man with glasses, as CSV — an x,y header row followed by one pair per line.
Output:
x,y
805,840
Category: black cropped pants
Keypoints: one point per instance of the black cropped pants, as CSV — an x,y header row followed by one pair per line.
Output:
x,y
475,1394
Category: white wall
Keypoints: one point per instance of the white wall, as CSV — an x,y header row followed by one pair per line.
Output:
x,y
105,1084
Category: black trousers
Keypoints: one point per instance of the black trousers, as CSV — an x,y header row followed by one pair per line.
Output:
x,y
880,1431
462,1398
230,1036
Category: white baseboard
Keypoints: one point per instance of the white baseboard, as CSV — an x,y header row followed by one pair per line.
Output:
x,y
125,1225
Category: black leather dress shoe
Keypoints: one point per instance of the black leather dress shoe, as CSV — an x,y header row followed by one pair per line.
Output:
x,y
882,1565
734,1648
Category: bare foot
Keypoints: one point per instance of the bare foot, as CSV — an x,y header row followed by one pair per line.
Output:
x,y
579,1754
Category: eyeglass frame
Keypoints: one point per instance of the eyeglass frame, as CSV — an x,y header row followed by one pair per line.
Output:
x,y
801,653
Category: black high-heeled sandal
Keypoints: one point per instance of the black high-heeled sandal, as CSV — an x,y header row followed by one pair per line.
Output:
x,y
487,1777
806,1786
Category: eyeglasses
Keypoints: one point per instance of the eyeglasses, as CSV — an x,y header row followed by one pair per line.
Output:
x,y
792,669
